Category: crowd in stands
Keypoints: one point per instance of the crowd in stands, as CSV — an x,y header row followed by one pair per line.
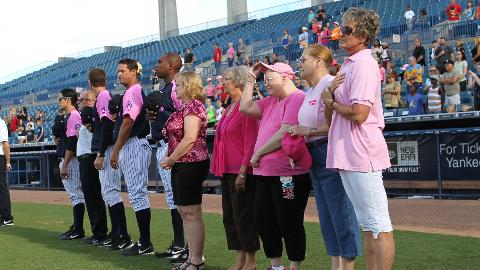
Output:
x,y
25,128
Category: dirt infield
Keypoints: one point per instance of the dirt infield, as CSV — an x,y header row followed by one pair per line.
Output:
x,y
452,217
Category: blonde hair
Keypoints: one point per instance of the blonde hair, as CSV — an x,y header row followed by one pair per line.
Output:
x,y
477,41
191,84
320,51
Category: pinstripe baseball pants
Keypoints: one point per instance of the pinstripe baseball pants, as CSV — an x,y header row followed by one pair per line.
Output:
x,y
72,183
134,160
110,180
165,175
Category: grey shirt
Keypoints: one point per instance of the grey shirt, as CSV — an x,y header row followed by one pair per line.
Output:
x,y
451,89
243,50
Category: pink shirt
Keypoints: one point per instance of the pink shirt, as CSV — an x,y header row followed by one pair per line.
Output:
x,y
210,90
276,112
133,101
231,52
311,113
235,138
74,123
102,104
353,147
174,132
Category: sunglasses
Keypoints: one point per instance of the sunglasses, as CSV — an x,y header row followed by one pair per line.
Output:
x,y
347,30
62,98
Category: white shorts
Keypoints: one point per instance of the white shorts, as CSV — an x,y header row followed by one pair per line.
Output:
x,y
452,100
369,199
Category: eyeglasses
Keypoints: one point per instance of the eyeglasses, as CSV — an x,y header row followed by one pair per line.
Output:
x,y
62,98
347,30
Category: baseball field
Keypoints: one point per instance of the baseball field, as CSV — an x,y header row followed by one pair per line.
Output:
x,y
32,243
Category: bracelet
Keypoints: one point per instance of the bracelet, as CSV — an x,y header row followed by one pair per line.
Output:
x,y
242,175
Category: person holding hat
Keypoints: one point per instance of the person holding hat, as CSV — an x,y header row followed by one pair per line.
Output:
x,y
303,38
450,81
338,222
435,95
283,184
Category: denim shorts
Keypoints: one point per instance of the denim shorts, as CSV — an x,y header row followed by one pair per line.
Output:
x,y
340,229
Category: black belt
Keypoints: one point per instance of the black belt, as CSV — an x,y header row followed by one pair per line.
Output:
x,y
87,155
317,143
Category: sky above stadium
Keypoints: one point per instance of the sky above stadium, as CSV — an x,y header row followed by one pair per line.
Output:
x,y
35,32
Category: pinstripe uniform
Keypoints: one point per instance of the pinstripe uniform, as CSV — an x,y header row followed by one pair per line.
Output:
x,y
72,184
165,175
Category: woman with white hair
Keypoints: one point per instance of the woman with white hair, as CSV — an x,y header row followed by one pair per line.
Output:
x,y
356,146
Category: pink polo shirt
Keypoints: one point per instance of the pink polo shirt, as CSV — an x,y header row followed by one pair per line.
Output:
x,y
235,138
311,113
102,105
74,123
133,101
353,147
276,112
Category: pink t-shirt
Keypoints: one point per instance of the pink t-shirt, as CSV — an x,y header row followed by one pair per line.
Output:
x,y
133,101
74,123
102,104
210,90
231,52
276,112
311,113
354,147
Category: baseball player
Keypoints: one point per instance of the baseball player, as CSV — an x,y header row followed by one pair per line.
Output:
x,y
110,179
132,152
88,174
69,166
167,66
6,217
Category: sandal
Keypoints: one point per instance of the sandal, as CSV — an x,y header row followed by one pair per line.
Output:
x,y
185,266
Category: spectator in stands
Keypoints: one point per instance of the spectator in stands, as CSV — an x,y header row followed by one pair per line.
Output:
x,y
435,95
325,35
257,94
377,50
423,21
315,30
230,54
461,68
39,132
189,60
306,86
419,53
23,114
311,16
386,54
469,12
30,122
335,35
474,85
415,103
219,111
21,132
320,13
453,11
233,147
189,160
476,50
459,45
44,116
357,100
450,81
154,80
38,115
279,215
181,57
274,58
217,58
248,61
30,134
432,70
220,91
409,16
211,114
303,38
298,83
432,52
12,109
13,126
413,74
286,40
266,60
382,72
391,92
241,52
209,90
442,54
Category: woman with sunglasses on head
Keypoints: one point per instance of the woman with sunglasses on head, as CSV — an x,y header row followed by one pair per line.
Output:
x,y
357,148
283,185
338,222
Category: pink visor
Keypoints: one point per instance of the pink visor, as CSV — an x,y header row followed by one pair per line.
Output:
x,y
284,69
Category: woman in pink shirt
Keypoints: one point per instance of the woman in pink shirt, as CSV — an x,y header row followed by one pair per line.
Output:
x,y
186,131
357,148
210,90
338,222
235,138
230,54
283,185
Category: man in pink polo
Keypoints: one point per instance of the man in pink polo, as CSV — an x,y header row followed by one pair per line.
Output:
x,y
357,148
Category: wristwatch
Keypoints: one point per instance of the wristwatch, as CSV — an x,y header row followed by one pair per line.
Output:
x,y
100,154
242,175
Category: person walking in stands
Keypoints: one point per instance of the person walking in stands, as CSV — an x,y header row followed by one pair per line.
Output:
x,y
186,132
338,222
167,67
69,165
89,178
356,147
281,164
235,139
189,60
217,58
6,217
132,152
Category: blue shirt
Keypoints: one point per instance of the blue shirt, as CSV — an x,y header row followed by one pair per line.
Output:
x,y
415,104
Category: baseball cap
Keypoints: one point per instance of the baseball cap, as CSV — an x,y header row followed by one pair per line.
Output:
x,y
336,23
434,77
448,61
404,67
296,149
304,28
86,115
209,79
284,69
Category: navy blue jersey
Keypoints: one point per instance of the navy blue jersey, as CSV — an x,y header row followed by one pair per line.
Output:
x,y
164,113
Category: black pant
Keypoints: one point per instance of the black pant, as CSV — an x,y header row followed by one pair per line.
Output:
x,y
239,214
278,218
92,191
5,204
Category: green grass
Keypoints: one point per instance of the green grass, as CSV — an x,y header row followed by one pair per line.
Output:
x,y
33,244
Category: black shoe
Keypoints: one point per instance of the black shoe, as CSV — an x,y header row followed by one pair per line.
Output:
x,y
74,235
5,222
93,241
67,233
122,243
180,258
138,249
171,251
108,242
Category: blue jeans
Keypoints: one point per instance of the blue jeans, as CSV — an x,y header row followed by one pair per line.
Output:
x,y
218,65
339,225
13,138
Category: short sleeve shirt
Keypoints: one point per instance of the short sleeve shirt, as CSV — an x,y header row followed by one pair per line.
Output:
x,y
415,104
102,104
74,123
3,135
416,71
133,101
